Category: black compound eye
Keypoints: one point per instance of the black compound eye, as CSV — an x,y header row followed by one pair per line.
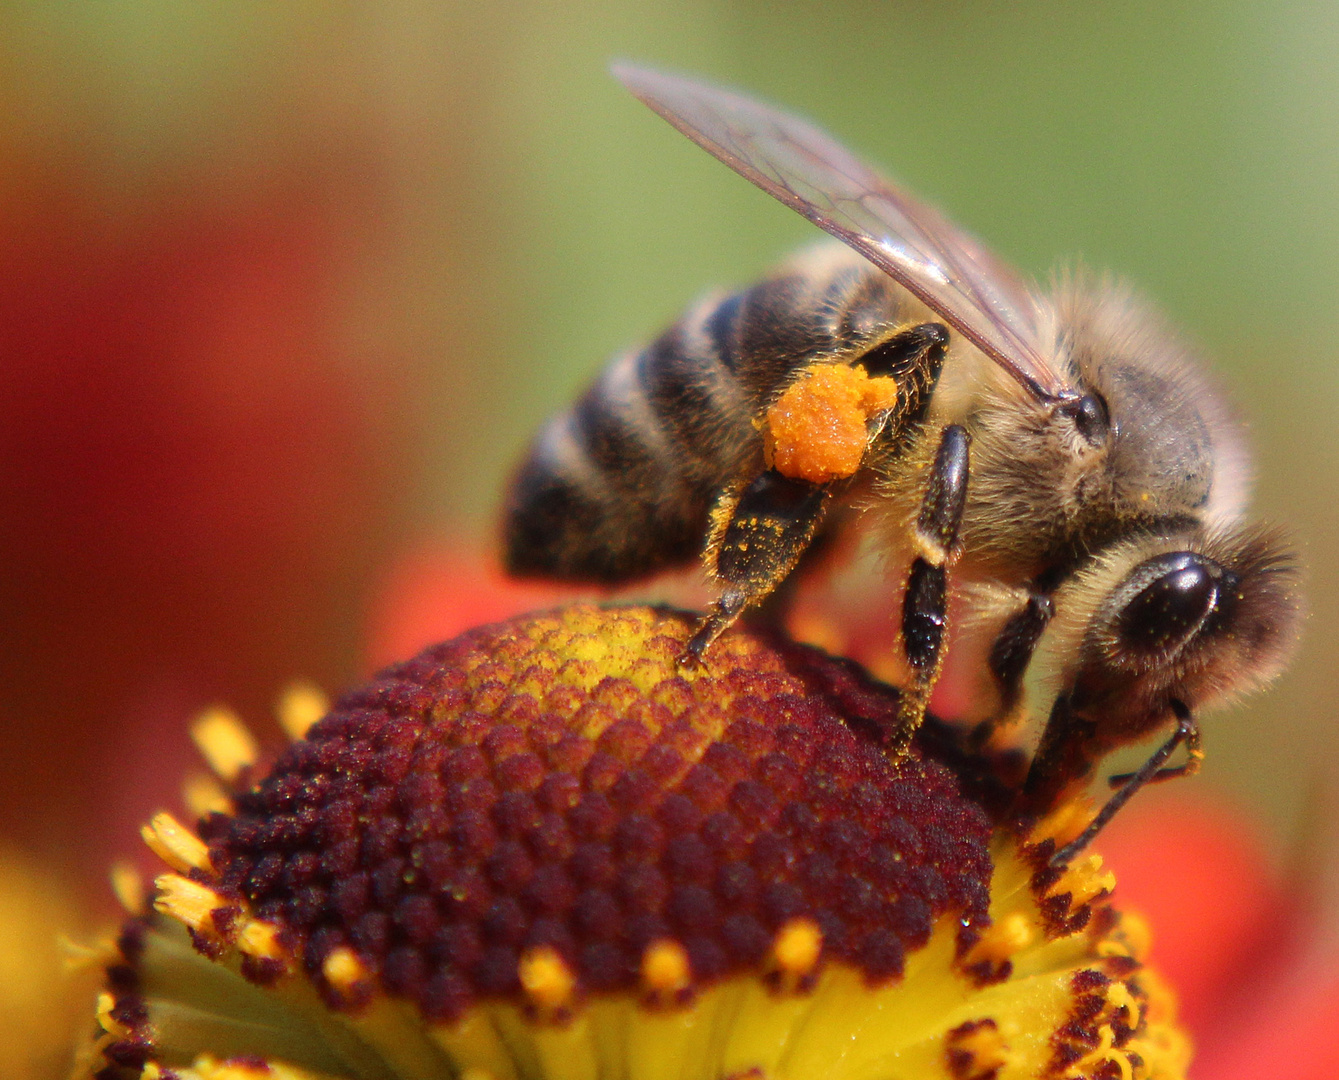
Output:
x,y
1174,604
1091,418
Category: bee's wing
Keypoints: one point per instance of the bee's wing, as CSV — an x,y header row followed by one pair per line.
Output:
x,y
795,162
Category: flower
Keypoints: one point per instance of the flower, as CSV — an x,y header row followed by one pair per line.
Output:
x,y
544,849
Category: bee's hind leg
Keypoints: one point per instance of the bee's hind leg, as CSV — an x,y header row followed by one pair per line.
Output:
x,y
761,532
925,602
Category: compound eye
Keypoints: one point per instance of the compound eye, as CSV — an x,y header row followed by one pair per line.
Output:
x,y
1183,593
1091,418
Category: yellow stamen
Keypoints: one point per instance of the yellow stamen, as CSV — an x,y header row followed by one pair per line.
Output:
x,y
106,1021
1165,1048
797,947
225,743
343,970
203,796
1062,824
1002,940
820,630
1136,932
1119,999
128,887
476,1073
665,968
261,940
984,1047
1114,948
300,707
176,845
1104,1053
76,957
1083,881
88,1056
281,1071
189,902
546,977
206,1067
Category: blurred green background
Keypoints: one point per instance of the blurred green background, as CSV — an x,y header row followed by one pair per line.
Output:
x,y
284,289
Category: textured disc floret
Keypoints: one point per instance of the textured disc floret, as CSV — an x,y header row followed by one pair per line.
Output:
x,y
563,784
547,849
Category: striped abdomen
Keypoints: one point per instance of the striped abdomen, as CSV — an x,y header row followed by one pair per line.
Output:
x,y
622,484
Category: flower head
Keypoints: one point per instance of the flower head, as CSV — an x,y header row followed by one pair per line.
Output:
x,y
545,850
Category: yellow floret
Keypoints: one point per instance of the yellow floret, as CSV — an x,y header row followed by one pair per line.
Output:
x,y
176,845
300,707
797,948
343,970
225,743
546,977
665,968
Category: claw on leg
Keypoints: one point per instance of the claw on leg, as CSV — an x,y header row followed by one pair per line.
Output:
x,y
723,613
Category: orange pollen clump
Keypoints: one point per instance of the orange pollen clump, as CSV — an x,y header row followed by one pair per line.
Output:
x,y
817,430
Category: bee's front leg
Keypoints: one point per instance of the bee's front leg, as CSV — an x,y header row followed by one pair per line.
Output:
x,y
925,602
761,532
1187,731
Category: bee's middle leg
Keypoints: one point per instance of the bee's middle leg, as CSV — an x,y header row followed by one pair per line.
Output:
x,y
925,602
763,533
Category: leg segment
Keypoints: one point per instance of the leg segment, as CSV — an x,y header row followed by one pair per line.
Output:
x,y
925,602
1188,732
1194,757
762,537
1017,641
1009,658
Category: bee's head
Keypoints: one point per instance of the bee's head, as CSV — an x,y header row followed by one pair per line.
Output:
x,y
1142,441
1195,619
1170,448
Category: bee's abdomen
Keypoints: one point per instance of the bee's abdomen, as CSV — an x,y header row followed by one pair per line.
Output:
x,y
622,484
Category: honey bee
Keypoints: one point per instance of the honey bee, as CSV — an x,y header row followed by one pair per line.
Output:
x,y
1060,452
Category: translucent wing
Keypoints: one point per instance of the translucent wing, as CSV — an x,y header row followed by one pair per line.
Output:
x,y
795,162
